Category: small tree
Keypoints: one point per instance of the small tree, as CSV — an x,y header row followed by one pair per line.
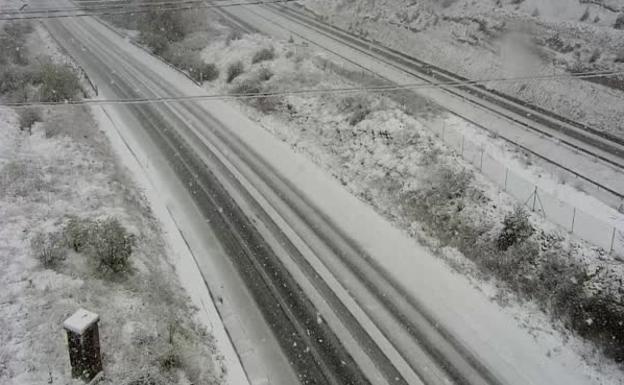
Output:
x,y
111,244
234,70
48,249
516,229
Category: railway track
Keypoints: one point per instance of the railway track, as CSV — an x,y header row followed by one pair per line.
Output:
x,y
597,145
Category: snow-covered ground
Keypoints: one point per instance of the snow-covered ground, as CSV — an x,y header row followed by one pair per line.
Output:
x,y
487,39
68,168
387,154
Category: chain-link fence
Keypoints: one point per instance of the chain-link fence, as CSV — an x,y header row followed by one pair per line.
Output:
x,y
600,231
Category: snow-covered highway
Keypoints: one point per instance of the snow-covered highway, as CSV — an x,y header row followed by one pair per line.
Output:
x,y
324,289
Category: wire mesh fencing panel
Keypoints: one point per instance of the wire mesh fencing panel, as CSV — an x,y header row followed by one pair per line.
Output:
x,y
594,230
473,153
495,170
600,232
555,210
618,242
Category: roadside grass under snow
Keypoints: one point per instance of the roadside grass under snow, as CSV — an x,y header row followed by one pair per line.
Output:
x,y
389,159
45,180
63,167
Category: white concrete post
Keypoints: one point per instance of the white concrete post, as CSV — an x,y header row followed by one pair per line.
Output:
x,y
83,340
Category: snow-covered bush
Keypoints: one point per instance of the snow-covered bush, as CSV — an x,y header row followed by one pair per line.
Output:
x,y
516,229
157,43
234,34
264,74
48,248
111,244
77,232
58,82
13,78
356,107
263,55
253,86
619,21
202,71
28,117
234,70
13,42
246,86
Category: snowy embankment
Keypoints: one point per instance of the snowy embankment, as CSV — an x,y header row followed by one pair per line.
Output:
x,y
490,40
150,330
390,160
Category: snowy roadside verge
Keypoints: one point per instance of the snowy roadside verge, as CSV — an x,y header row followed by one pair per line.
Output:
x,y
62,167
179,251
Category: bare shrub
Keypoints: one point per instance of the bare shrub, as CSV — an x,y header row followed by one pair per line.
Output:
x,y
48,249
601,318
585,15
264,74
28,117
234,70
157,43
246,87
111,244
13,42
201,71
594,56
515,266
263,55
13,78
516,229
619,21
77,233
358,108
267,104
58,82
234,34
168,26
170,360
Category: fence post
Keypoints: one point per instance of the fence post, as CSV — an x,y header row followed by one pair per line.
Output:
x,y
462,145
506,176
573,219
534,198
612,241
481,165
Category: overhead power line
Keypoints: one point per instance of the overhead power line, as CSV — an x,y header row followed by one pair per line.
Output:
x,y
138,10
313,91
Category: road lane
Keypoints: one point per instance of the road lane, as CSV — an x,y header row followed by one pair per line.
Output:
x,y
234,124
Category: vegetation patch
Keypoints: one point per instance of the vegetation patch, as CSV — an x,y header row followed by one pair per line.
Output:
x,y
264,54
234,70
28,117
